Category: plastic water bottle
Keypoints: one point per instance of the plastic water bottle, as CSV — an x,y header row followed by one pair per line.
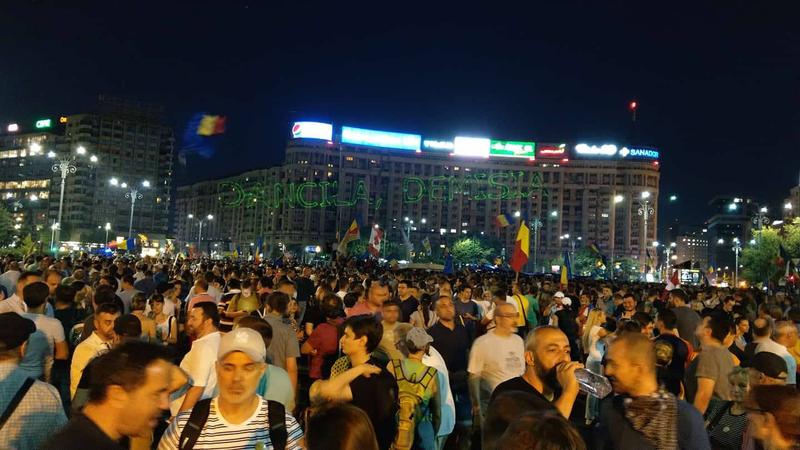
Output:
x,y
592,383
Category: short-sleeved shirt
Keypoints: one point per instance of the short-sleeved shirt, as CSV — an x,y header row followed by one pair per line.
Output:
x,y
519,384
38,355
284,342
218,433
325,340
453,345
38,414
275,385
199,364
377,396
407,308
687,323
495,359
714,362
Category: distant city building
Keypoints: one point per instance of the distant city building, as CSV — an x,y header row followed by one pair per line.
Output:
x,y
791,204
122,139
733,218
440,189
692,245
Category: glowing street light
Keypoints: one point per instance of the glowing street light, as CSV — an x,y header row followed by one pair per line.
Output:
x,y
132,194
517,214
645,195
553,213
618,198
673,197
81,150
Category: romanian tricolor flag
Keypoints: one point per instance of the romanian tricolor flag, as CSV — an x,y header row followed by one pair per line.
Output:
x,y
257,255
566,271
503,220
352,234
519,257
211,125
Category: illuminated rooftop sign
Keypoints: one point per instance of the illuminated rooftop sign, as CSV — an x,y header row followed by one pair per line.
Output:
x,y
44,123
438,145
470,146
386,139
512,149
638,153
12,128
554,151
596,150
312,130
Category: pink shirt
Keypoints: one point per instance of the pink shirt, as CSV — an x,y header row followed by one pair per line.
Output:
x,y
199,298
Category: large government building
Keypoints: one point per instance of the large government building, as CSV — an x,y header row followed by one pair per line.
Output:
x,y
121,140
416,187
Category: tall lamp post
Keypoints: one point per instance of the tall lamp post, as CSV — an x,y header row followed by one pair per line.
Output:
x,y
65,166
645,210
133,194
737,247
613,229
200,229
536,224
107,227
760,220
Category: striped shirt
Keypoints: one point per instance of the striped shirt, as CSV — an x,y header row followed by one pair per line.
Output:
x,y
219,434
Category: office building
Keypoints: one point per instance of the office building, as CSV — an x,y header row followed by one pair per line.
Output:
x,y
449,188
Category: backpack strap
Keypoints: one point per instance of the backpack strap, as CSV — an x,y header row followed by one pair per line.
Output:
x,y
16,401
194,426
398,370
278,434
427,377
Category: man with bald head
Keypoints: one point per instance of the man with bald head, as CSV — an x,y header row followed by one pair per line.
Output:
x,y
549,373
497,356
643,415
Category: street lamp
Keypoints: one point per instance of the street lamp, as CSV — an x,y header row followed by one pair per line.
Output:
x,y
761,219
200,229
737,247
787,206
132,194
645,210
65,166
107,227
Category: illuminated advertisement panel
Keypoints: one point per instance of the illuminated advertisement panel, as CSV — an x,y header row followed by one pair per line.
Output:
x,y
512,149
638,153
312,130
470,146
44,123
596,150
554,151
386,139
432,144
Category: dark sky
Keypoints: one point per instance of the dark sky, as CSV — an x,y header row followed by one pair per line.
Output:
x,y
718,83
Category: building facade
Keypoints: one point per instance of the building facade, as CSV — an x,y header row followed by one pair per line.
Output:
x,y
123,139
448,188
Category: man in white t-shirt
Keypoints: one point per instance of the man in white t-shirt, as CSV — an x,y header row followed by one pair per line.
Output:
x,y
497,356
35,297
203,324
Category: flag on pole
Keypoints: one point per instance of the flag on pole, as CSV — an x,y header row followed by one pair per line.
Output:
x,y
566,271
375,240
257,256
519,257
503,220
448,262
211,125
673,282
352,234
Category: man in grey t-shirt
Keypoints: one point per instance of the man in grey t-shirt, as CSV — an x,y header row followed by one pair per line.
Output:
x,y
688,319
284,349
707,375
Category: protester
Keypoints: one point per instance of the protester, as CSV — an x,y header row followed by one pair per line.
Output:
x,y
32,409
548,369
540,430
726,422
365,385
275,383
284,349
377,293
707,374
56,350
687,319
166,326
785,336
129,389
643,415
672,351
322,344
202,325
98,342
138,306
495,357
340,426
774,414
237,417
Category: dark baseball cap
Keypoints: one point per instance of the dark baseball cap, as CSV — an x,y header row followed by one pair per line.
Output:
x,y
770,365
14,330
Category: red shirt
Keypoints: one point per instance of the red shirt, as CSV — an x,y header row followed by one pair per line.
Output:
x,y
325,340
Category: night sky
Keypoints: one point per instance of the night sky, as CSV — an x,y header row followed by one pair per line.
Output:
x,y
718,83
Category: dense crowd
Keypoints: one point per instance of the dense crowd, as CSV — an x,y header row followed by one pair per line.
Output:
x,y
130,353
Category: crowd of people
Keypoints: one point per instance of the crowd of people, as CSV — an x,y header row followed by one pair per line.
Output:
x,y
138,353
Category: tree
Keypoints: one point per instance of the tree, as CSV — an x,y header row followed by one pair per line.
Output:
x,y
627,269
469,251
587,264
6,227
759,259
791,237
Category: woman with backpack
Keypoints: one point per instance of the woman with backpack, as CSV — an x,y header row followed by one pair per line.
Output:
x,y
417,388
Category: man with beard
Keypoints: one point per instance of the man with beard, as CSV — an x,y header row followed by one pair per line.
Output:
x,y
202,324
549,373
642,415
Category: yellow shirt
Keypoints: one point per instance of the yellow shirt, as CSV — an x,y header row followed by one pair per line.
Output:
x,y
522,308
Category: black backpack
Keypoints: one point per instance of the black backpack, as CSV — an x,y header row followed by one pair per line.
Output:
x,y
278,434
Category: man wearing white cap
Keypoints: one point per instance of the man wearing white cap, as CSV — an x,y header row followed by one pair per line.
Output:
x,y
237,417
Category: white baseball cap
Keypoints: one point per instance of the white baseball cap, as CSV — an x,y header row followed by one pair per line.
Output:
x,y
558,294
245,340
566,301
